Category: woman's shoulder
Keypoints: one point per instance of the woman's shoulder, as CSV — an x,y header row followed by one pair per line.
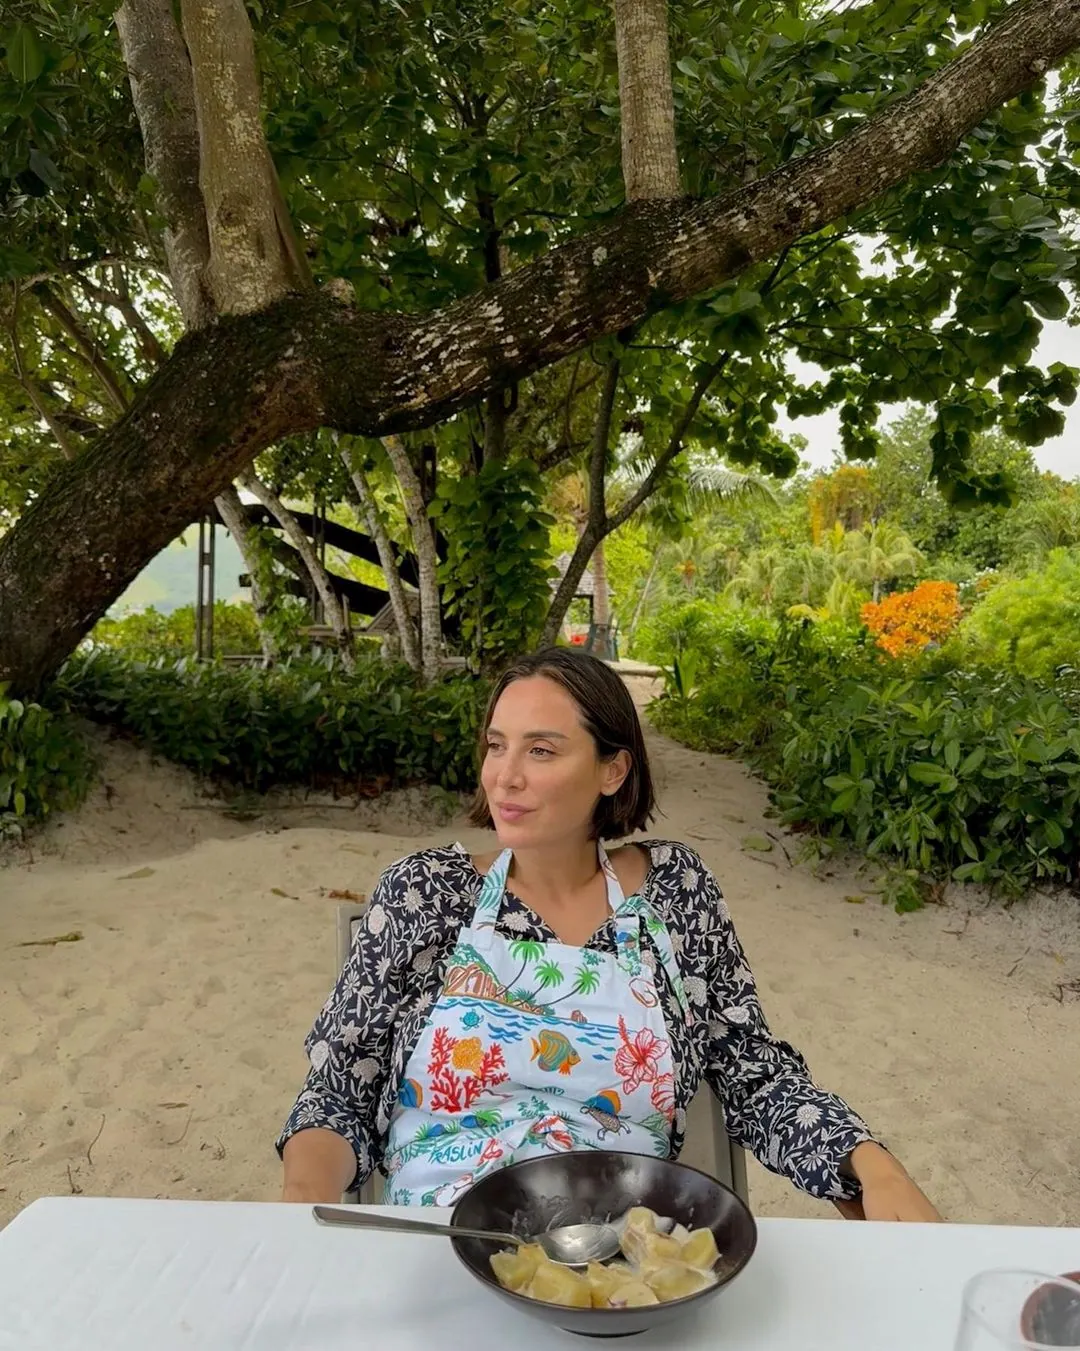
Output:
x,y
444,870
674,861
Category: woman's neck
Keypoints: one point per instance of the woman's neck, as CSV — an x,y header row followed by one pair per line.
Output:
x,y
555,873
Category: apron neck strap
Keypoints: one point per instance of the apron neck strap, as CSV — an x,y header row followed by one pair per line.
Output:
x,y
489,902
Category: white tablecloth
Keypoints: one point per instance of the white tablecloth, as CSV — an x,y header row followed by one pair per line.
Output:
x,y
80,1274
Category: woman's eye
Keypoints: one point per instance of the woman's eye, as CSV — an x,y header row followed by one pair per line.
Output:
x,y
492,747
542,751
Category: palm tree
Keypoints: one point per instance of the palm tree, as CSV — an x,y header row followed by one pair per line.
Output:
x,y
526,950
548,973
586,981
881,555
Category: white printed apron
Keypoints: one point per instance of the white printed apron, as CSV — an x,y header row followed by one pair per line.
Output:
x,y
532,1048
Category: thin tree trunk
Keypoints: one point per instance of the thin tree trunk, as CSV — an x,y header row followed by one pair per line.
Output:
x,y
84,341
426,558
38,398
653,568
332,607
396,591
650,160
596,525
231,510
164,96
254,255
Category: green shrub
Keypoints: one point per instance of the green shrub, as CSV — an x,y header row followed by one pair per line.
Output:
x,y
308,722
44,763
150,635
1030,624
964,773
696,627
936,770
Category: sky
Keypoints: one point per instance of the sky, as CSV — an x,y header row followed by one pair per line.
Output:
x,y
1058,342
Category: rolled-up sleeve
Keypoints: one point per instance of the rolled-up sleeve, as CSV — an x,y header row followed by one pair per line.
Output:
x,y
771,1104
350,1047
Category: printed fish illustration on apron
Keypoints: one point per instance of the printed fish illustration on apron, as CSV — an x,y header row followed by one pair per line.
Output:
x,y
535,1048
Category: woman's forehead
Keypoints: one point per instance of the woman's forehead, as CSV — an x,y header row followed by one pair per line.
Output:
x,y
536,704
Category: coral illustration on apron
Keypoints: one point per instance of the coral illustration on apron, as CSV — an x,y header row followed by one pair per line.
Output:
x,y
532,1048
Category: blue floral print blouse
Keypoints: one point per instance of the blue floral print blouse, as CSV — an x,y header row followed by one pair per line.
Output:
x,y
366,1031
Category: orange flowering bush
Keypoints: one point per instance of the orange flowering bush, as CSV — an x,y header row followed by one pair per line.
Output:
x,y
904,623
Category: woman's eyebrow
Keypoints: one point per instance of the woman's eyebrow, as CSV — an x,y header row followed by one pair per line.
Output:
x,y
533,736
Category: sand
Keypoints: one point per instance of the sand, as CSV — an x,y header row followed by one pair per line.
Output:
x,y
158,1055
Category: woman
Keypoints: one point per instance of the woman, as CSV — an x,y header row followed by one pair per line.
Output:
x,y
554,996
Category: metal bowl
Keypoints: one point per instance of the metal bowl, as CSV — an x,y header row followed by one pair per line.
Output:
x,y
599,1185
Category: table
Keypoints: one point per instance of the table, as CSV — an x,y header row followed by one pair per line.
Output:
x,y
84,1274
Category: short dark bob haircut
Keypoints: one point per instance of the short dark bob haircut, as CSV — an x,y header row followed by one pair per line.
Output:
x,y
608,715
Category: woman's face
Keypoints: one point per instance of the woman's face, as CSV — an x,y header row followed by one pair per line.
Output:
x,y
541,773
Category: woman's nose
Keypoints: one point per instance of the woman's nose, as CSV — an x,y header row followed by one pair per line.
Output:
x,y
511,772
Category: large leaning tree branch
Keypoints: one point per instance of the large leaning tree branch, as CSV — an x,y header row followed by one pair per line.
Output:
x,y
233,388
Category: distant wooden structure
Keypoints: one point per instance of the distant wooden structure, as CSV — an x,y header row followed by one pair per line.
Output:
x,y
586,587
383,625
602,641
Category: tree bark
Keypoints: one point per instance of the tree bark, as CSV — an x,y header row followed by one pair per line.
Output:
x,y
426,558
164,96
231,510
254,253
650,160
398,604
335,613
235,387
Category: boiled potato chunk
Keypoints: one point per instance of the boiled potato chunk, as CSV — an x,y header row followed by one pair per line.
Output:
x,y
516,1268
560,1285
675,1280
604,1281
700,1250
659,1248
632,1295
638,1229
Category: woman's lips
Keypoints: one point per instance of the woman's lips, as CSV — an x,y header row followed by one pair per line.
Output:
x,y
508,812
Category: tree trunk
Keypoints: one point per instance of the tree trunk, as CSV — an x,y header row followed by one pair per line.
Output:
x,y
332,607
161,88
596,522
231,510
426,559
254,253
236,386
398,604
650,160
640,606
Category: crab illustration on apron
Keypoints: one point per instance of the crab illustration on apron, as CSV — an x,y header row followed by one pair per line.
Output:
x,y
535,1047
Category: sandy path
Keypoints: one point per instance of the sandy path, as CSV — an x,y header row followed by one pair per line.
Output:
x,y
172,1031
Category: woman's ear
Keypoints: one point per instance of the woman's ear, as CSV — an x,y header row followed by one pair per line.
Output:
x,y
615,771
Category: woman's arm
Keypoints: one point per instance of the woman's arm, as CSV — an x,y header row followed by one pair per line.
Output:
x,y
771,1103
319,1165
329,1143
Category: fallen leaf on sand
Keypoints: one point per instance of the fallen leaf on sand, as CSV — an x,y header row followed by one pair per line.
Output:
x,y
74,937
277,891
138,873
346,895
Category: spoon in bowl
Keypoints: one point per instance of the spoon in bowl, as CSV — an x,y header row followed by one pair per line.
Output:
x,y
570,1245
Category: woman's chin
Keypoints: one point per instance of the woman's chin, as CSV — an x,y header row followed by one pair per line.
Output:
x,y
516,832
